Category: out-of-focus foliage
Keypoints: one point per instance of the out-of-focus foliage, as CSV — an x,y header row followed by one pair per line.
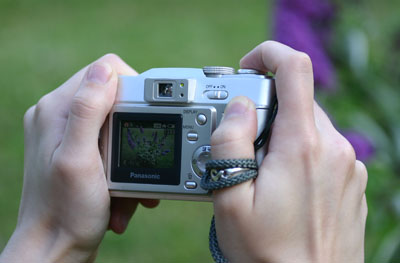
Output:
x,y
366,53
355,45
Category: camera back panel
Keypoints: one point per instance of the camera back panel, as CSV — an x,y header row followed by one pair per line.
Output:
x,y
158,134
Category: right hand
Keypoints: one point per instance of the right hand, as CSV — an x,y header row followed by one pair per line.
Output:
x,y
308,203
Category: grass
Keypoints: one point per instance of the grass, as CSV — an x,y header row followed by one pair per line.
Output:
x,y
42,43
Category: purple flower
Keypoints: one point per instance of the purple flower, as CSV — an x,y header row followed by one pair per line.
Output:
x,y
305,26
317,9
165,152
362,145
131,141
141,129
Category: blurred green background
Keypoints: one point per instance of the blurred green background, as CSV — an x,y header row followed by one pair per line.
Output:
x,y
43,42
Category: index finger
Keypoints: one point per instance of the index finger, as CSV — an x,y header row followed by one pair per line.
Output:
x,y
71,86
293,79
51,112
57,102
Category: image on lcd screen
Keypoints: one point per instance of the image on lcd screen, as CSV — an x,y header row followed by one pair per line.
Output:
x,y
147,144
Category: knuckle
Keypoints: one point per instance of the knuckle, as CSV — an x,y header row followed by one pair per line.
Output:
x,y
308,146
342,158
42,110
362,175
361,168
265,48
300,62
235,129
66,165
222,135
43,104
345,152
268,44
110,57
232,143
364,207
28,116
86,107
63,166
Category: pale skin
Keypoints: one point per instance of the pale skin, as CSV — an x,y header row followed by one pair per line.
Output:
x,y
65,207
307,204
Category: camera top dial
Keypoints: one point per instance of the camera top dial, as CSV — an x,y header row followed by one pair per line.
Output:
x,y
217,71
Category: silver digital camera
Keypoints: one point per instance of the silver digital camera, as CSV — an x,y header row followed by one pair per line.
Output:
x,y
157,138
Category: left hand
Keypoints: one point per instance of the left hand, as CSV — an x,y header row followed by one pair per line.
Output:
x,y
65,207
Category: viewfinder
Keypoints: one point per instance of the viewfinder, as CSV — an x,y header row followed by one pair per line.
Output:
x,y
165,90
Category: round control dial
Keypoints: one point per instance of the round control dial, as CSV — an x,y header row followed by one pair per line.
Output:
x,y
199,159
215,71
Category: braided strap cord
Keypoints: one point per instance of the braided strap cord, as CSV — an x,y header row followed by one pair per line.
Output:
x,y
209,184
216,252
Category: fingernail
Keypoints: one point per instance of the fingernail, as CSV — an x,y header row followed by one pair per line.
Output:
x,y
238,106
99,73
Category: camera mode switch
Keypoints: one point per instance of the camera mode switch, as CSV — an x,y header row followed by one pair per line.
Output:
x,y
217,94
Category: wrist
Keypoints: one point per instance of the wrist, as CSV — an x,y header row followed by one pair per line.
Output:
x,y
38,244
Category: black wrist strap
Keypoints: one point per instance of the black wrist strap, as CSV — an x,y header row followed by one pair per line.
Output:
x,y
208,183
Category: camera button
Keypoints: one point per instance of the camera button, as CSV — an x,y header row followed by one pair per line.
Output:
x,y
201,119
249,71
217,94
217,71
192,136
190,185
199,159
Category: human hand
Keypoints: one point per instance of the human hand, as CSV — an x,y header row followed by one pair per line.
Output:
x,y
65,207
308,202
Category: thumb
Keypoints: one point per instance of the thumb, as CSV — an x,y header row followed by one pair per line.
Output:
x,y
233,139
89,108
